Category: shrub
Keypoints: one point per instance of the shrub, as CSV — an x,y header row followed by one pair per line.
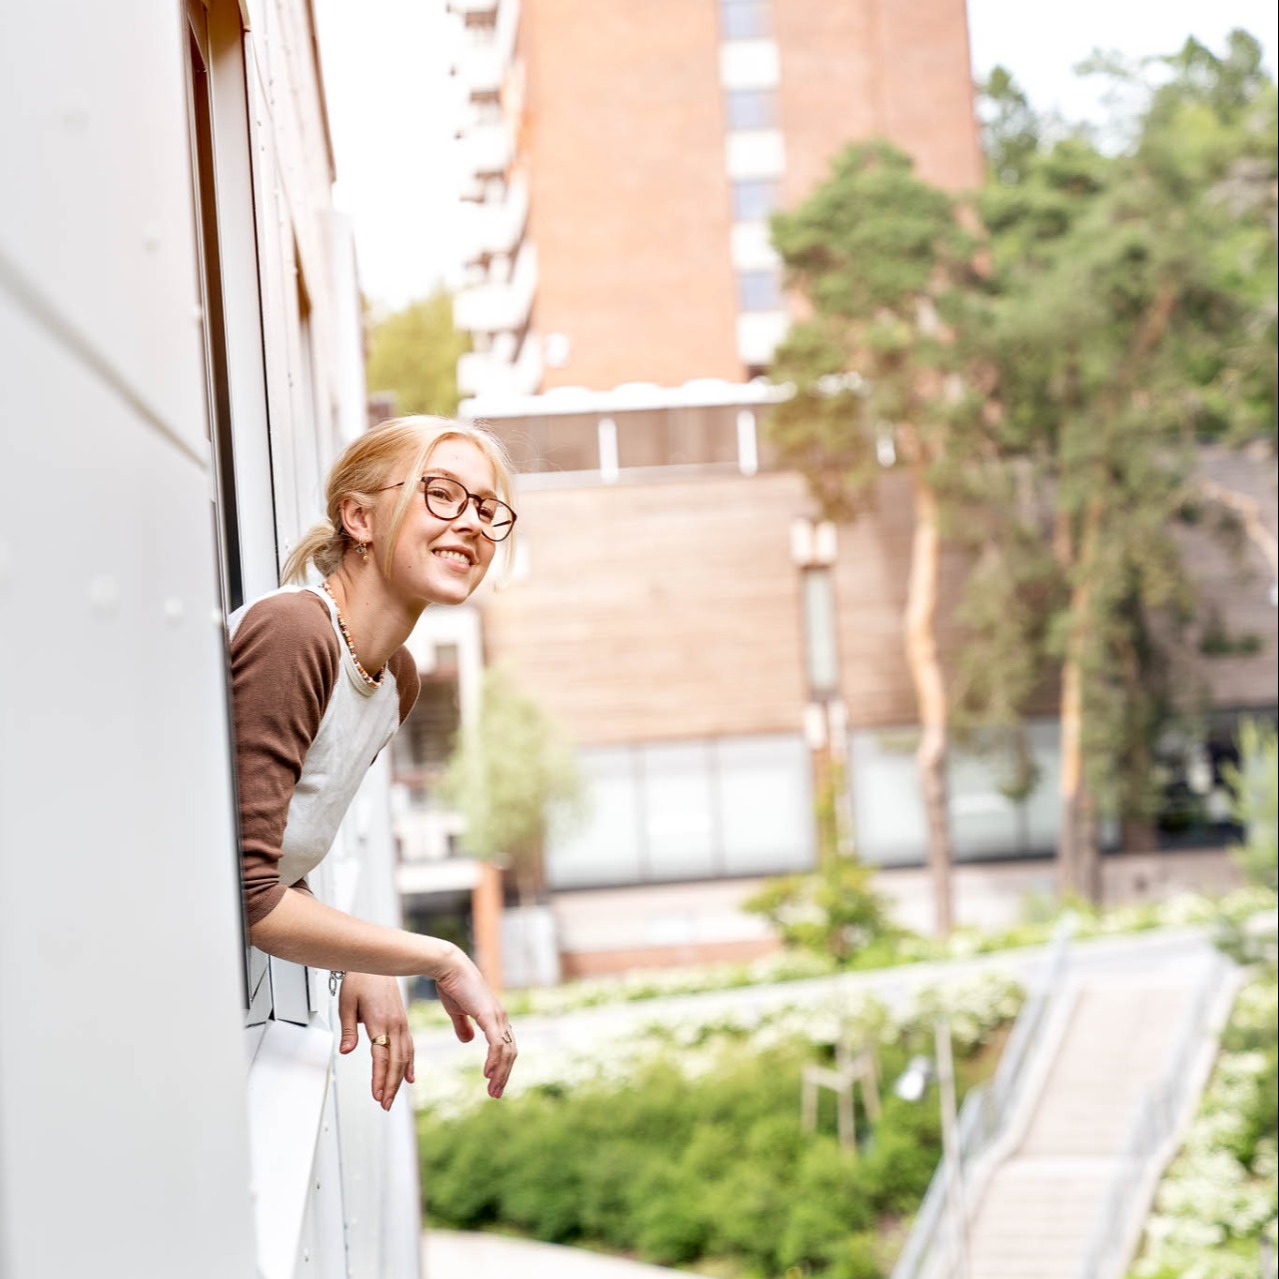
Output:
x,y
833,911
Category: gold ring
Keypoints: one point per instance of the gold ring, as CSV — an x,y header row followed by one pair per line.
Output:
x,y
506,1037
381,1041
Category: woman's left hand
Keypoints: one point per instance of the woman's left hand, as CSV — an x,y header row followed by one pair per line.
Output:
x,y
376,1002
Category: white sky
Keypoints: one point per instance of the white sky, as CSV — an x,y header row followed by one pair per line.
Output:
x,y
393,105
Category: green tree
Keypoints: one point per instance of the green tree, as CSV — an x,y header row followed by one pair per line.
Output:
x,y
514,779
413,355
1255,783
1134,319
886,268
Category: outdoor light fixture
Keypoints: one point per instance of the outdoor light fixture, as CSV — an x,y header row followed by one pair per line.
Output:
x,y
914,1080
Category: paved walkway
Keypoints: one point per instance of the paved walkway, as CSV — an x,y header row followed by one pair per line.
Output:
x,y
450,1254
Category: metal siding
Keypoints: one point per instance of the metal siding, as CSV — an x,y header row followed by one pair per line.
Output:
x,y
117,875
104,230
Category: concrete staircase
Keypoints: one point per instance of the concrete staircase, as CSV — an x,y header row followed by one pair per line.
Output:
x,y
1035,1213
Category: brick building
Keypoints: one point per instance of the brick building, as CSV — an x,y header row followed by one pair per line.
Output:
x,y
624,158
674,605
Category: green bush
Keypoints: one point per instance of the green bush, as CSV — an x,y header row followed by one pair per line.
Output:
x,y
714,1168
1255,785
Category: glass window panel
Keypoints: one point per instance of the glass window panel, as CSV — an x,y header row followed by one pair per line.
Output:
x,y
745,19
759,291
752,109
557,443
606,848
641,438
679,820
984,822
1041,811
754,199
764,799
889,828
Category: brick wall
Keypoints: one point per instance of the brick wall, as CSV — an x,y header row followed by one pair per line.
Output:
x,y
670,608
629,197
870,68
625,143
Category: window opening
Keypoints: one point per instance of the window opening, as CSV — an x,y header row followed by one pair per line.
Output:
x,y
754,199
745,19
752,109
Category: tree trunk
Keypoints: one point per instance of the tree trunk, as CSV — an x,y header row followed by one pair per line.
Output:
x,y
930,693
1077,861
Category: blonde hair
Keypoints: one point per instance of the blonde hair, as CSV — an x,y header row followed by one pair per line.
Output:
x,y
394,450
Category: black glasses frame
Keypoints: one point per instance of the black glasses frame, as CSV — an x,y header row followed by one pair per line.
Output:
x,y
506,525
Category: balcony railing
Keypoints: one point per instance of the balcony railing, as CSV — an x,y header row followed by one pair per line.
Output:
x,y
496,228
487,372
487,149
500,307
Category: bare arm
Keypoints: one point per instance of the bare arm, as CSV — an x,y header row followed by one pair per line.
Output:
x,y
306,931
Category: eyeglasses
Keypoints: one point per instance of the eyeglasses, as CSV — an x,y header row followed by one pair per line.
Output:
x,y
446,499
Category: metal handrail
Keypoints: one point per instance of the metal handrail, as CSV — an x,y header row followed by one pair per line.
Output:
x,y
1151,1126
984,1114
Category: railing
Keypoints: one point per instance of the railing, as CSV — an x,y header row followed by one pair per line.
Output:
x,y
1151,1127
981,1119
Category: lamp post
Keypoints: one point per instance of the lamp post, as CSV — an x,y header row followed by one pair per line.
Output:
x,y
911,1086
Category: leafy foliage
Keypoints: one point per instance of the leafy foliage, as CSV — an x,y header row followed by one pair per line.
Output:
x,y
683,1170
832,911
413,354
1218,1198
1130,317
1255,784
511,777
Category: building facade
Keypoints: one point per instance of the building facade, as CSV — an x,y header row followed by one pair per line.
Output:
x,y
676,604
623,161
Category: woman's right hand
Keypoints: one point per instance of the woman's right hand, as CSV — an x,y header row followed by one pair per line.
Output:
x,y
466,997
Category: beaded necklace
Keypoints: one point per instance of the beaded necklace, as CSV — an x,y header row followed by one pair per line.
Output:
x,y
374,681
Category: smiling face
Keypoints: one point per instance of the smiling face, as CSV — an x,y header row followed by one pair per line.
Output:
x,y
438,561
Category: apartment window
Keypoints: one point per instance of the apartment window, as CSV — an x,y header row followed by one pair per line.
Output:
x,y
890,827
754,199
430,733
701,809
752,109
759,291
745,19
218,396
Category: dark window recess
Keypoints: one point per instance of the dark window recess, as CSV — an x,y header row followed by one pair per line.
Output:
x,y
430,733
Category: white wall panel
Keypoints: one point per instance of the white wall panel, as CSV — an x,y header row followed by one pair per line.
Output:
x,y
122,1053
102,232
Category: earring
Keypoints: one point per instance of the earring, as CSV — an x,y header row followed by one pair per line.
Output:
x,y
362,550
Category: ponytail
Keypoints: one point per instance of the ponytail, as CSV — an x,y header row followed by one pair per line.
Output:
x,y
321,545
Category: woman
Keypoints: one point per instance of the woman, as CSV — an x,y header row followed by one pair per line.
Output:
x,y
321,680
